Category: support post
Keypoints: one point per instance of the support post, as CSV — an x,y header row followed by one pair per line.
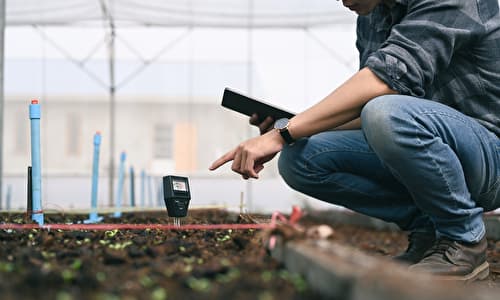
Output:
x,y
121,179
2,100
132,187
35,115
93,217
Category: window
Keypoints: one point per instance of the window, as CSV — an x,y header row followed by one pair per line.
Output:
x,y
22,134
163,141
73,135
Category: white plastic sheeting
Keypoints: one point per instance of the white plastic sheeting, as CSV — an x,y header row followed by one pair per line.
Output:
x,y
199,13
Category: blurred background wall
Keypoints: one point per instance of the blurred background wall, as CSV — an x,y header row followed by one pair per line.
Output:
x,y
168,83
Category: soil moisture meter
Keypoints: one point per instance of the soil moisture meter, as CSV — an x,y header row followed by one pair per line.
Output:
x,y
176,195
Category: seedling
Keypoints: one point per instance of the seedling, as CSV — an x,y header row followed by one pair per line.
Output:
x,y
176,195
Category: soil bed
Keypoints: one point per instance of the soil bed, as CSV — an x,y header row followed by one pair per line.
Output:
x,y
142,264
169,264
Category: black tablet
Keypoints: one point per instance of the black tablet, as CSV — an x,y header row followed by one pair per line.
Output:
x,y
248,106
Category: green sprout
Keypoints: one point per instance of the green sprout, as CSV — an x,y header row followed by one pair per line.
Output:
x,y
6,267
111,233
100,276
225,262
64,296
146,281
188,268
266,276
232,274
159,294
168,273
266,295
120,246
67,275
224,238
298,282
18,220
76,265
47,255
199,285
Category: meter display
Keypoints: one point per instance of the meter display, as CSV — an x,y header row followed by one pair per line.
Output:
x,y
179,185
176,195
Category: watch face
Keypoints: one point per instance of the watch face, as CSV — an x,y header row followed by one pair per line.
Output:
x,y
281,123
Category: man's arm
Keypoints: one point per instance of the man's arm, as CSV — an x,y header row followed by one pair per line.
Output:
x,y
354,124
341,106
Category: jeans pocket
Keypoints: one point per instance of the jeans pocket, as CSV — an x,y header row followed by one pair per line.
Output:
x,y
491,199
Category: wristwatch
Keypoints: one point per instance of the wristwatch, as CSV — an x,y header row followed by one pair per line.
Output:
x,y
282,126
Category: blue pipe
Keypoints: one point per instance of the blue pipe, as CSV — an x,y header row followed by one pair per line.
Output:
x,y
121,177
35,114
9,197
150,191
159,198
143,188
93,216
132,187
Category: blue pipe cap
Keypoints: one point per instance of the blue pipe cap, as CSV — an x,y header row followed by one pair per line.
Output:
x,y
97,138
35,109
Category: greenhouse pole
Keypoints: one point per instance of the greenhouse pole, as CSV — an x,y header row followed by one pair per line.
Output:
x,y
2,44
248,185
112,111
112,89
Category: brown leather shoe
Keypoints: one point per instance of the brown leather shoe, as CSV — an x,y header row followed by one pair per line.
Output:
x,y
418,244
453,260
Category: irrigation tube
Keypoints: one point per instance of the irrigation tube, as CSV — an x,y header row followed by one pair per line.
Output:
x,y
15,226
74,227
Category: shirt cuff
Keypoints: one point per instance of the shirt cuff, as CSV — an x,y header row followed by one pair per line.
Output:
x,y
394,73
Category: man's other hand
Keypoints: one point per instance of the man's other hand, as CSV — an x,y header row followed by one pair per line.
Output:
x,y
264,126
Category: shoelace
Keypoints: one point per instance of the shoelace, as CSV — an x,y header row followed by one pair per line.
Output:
x,y
440,247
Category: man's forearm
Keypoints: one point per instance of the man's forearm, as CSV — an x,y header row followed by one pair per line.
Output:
x,y
341,106
353,124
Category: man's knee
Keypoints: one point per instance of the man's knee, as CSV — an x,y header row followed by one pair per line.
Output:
x,y
291,164
383,120
377,113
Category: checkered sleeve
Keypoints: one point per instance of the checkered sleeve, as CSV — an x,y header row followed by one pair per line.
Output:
x,y
423,43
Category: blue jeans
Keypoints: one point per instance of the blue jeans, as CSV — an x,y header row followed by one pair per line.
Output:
x,y
417,163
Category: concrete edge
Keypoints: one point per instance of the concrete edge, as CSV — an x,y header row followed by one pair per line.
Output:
x,y
341,272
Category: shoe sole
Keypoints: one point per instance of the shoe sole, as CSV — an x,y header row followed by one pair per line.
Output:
x,y
479,273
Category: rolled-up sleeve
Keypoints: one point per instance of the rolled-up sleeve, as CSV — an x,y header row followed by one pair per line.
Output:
x,y
421,43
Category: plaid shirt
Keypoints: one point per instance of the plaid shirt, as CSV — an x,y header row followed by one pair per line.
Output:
x,y
443,50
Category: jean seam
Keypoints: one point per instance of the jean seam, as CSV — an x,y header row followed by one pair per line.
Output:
x,y
464,121
436,165
311,171
469,227
340,150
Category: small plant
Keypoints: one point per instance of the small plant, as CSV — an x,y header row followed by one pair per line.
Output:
x,y
110,233
199,284
146,281
6,267
159,294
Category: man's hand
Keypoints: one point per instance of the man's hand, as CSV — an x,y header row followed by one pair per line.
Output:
x,y
265,126
250,156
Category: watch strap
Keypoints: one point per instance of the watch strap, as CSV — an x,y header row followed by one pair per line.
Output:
x,y
286,136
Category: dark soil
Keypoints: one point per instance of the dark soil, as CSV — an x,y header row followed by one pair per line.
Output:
x,y
146,264
174,264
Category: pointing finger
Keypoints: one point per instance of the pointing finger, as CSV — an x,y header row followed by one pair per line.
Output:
x,y
222,160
